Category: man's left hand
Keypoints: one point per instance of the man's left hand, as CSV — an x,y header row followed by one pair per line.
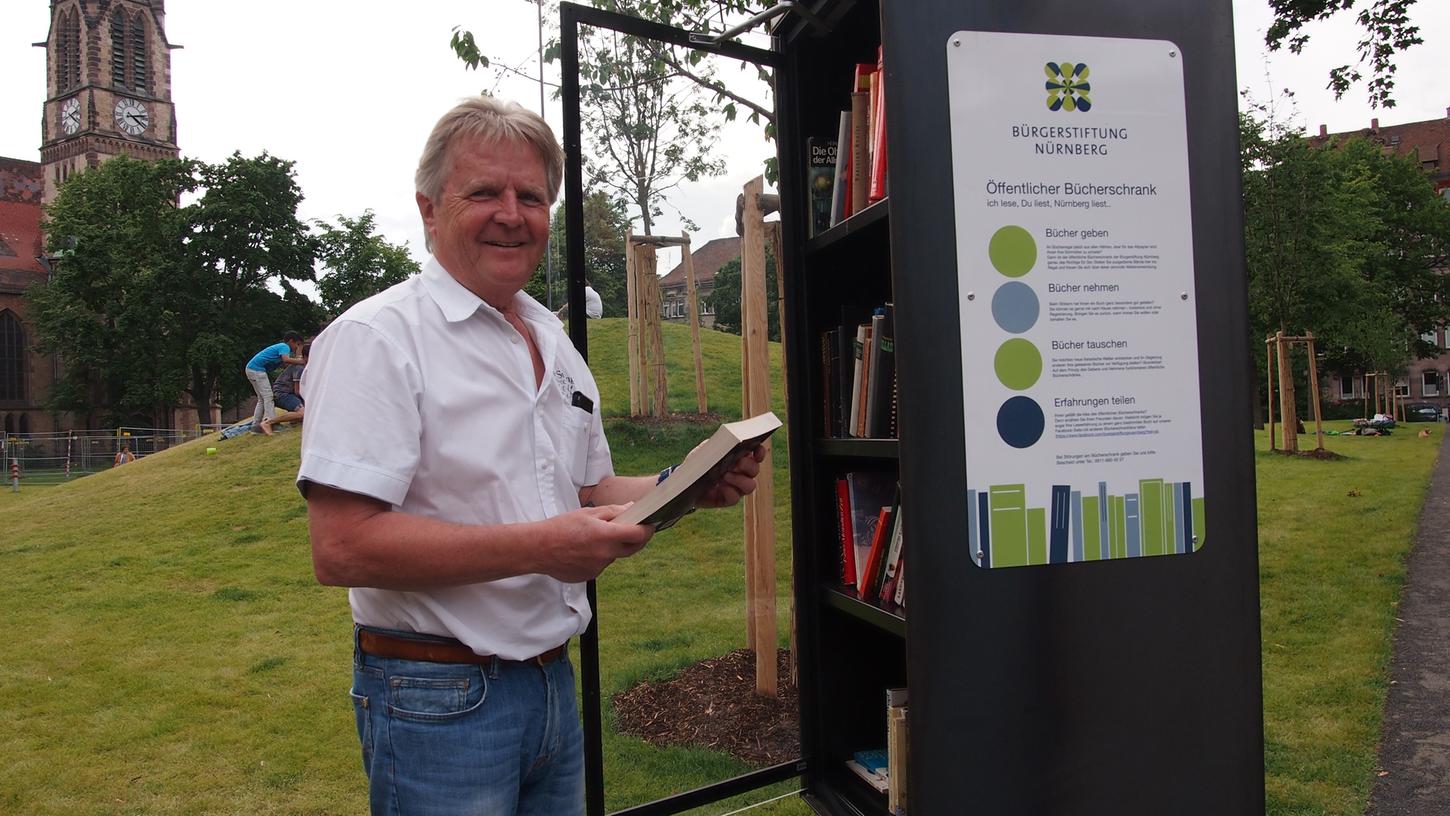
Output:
x,y
738,481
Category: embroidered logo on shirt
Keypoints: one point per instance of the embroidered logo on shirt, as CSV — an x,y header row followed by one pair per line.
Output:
x,y
565,383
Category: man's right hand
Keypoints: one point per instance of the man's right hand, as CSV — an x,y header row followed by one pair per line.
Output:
x,y
585,541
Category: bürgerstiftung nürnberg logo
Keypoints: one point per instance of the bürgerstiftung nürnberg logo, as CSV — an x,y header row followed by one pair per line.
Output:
x,y
1067,86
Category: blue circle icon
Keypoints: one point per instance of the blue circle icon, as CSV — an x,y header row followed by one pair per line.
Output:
x,y
1015,307
1020,422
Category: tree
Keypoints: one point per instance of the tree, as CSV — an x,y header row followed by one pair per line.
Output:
x,y
725,297
115,232
647,132
245,236
605,223
647,125
1387,31
1344,241
358,262
151,299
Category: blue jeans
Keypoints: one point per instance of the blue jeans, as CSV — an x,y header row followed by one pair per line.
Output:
x,y
446,739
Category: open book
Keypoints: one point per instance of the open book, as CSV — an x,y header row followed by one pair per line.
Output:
x,y
671,499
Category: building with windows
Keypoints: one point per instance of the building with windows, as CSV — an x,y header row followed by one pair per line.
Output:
x,y
674,299
1429,143
108,93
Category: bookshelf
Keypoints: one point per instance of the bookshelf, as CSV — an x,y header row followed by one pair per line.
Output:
x,y
1130,687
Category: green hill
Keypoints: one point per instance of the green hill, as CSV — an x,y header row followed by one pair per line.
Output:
x,y
170,652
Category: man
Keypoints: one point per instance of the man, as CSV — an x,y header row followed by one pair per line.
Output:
x,y
259,369
593,304
124,455
287,394
458,480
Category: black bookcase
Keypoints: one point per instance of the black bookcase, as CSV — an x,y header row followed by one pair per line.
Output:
x,y
1018,705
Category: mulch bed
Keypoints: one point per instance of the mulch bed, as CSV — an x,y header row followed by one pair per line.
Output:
x,y
713,704
1320,453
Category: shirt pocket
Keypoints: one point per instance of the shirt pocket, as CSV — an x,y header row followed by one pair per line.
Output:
x,y
575,430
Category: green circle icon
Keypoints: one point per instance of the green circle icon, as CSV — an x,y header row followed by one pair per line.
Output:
x,y
1012,250
1018,364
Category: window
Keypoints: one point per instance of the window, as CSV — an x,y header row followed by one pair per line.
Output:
x,y
1402,388
68,51
140,77
1430,383
118,48
12,357
1346,387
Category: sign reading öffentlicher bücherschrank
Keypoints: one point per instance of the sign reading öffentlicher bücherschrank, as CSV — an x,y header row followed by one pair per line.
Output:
x,y
1075,273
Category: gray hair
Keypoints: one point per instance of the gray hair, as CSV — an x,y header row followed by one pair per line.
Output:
x,y
493,120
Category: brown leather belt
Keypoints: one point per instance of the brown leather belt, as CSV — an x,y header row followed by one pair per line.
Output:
x,y
439,650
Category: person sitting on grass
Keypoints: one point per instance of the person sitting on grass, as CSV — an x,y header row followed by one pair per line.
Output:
x,y
287,394
124,455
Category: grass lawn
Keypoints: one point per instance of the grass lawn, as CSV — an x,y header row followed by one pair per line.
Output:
x,y
1333,536
170,652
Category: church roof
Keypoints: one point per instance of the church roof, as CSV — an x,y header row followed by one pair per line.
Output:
x,y
21,185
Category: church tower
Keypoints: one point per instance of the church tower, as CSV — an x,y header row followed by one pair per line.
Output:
x,y
108,86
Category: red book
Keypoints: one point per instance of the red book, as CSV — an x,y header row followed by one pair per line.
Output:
x,y
869,582
843,521
877,189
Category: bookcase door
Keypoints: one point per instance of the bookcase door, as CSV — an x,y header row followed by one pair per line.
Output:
x,y
1120,685
572,19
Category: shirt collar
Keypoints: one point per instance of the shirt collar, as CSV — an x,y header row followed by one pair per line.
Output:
x,y
457,303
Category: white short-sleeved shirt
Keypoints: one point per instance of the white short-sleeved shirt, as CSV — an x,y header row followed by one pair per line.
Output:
x,y
424,397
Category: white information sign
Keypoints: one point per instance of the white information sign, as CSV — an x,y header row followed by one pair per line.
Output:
x,y
1075,271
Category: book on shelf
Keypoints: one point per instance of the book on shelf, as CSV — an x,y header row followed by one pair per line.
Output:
x,y
900,599
875,780
892,571
898,753
876,189
881,422
673,498
869,581
860,162
858,377
882,369
867,492
820,181
874,760
839,194
843,530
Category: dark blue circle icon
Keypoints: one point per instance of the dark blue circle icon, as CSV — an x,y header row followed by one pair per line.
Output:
x,y
1015,307
1020,422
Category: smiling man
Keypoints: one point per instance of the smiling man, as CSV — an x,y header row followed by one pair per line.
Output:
x,y
459,483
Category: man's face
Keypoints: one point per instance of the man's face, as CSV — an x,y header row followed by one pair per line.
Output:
x,y
490,223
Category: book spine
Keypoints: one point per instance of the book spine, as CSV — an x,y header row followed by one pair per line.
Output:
x,y
1009,525
898,743
859,160
877,184
893,558
858,350
873,385
880,423
843,526
865,385
839,198
1061,495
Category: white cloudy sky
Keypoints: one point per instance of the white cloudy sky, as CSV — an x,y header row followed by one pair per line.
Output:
x,y
349,88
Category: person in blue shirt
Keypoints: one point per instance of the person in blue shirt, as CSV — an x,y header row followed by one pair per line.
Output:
x,y
289,352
